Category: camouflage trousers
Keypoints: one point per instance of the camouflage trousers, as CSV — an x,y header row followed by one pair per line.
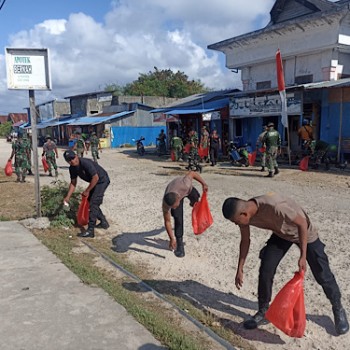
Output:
x,y
271,158
21,167
177,152
95,153
193,159
51,162
80,152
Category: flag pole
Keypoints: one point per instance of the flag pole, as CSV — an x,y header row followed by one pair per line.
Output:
x,y
282,91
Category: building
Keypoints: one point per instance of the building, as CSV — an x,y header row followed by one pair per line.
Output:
x,y
313,37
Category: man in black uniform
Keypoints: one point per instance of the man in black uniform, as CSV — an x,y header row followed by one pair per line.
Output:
x,y
98,181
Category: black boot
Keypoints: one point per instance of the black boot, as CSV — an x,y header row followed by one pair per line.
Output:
x,y
276,171
270,174
180,250
340,320
262,168
103,224
89,233
256,320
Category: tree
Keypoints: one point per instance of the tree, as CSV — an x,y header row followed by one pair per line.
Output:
x,y
116,89
164,83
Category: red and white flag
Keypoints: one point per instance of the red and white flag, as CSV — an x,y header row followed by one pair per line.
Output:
x,y
281,88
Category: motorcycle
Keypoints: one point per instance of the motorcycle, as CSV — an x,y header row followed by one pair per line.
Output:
x,y
238,155
139,146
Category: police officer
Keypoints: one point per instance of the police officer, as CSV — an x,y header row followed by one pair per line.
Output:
x,y
272,140
98,181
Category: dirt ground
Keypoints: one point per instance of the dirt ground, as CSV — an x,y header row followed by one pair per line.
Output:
x,y
206,275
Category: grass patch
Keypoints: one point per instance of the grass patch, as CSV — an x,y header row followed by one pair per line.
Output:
x,y
157,320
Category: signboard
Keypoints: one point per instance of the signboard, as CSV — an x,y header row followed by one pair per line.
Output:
x,y
27,69
162,117
268,105
211,116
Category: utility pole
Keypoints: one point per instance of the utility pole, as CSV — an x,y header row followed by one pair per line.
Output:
x,y
35,153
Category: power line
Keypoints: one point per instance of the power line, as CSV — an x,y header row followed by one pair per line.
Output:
x,y
3,3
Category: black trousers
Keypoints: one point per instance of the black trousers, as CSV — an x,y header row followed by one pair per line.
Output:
x,y
95,200
214,153
272,254
178,213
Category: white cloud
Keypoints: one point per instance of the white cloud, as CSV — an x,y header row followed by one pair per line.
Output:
x,y
135,37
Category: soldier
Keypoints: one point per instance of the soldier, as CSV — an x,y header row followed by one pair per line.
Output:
x,y
272,140
28,146
262,149
95,146
50,151
177,147
80,146
193,156
20,152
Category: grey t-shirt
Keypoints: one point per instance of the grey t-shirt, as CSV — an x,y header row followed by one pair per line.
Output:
x,y
276,212
182,186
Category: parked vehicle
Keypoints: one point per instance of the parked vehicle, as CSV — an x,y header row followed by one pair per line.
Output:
x,y
238,155
139,146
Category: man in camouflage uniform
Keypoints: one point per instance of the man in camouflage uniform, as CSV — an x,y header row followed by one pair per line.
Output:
x,y
28,146
272,140
20,152
95,146
79,145
262,149
50,151
176,145
193,156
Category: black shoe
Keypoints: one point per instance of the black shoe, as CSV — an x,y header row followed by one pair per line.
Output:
x,y
276,171
270,174
50,174
340,321
256,320
87,234
30,172
262,168
180,250
103,224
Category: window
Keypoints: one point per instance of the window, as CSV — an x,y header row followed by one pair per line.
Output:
x,y
261,85
304,79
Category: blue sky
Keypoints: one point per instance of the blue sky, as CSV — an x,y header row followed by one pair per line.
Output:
x,y
93,43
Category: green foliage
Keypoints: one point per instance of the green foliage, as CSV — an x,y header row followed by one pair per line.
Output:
x,y
116,89
52,204
5,129
163,82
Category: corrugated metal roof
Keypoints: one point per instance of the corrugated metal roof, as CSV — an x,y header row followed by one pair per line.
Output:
x,y
98,120
327,84
189,111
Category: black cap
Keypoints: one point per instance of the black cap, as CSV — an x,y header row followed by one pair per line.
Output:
x,y
69,155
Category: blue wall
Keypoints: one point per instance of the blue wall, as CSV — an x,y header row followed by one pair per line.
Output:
x,y
125,134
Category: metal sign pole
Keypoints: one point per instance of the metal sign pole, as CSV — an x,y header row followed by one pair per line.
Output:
x,y
35,153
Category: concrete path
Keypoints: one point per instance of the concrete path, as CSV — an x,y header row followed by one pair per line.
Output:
x,y
44,306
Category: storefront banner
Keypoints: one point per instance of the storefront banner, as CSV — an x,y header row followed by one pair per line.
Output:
x,y
211,116
267,105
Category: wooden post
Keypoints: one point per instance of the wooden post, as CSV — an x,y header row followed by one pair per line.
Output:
x,y
35,153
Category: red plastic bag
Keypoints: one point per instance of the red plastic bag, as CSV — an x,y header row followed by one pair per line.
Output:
x,y
262,149
201,216
304,163
252,158
187,148
45,165
83,212
202,152
172,156
8,168
287,311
